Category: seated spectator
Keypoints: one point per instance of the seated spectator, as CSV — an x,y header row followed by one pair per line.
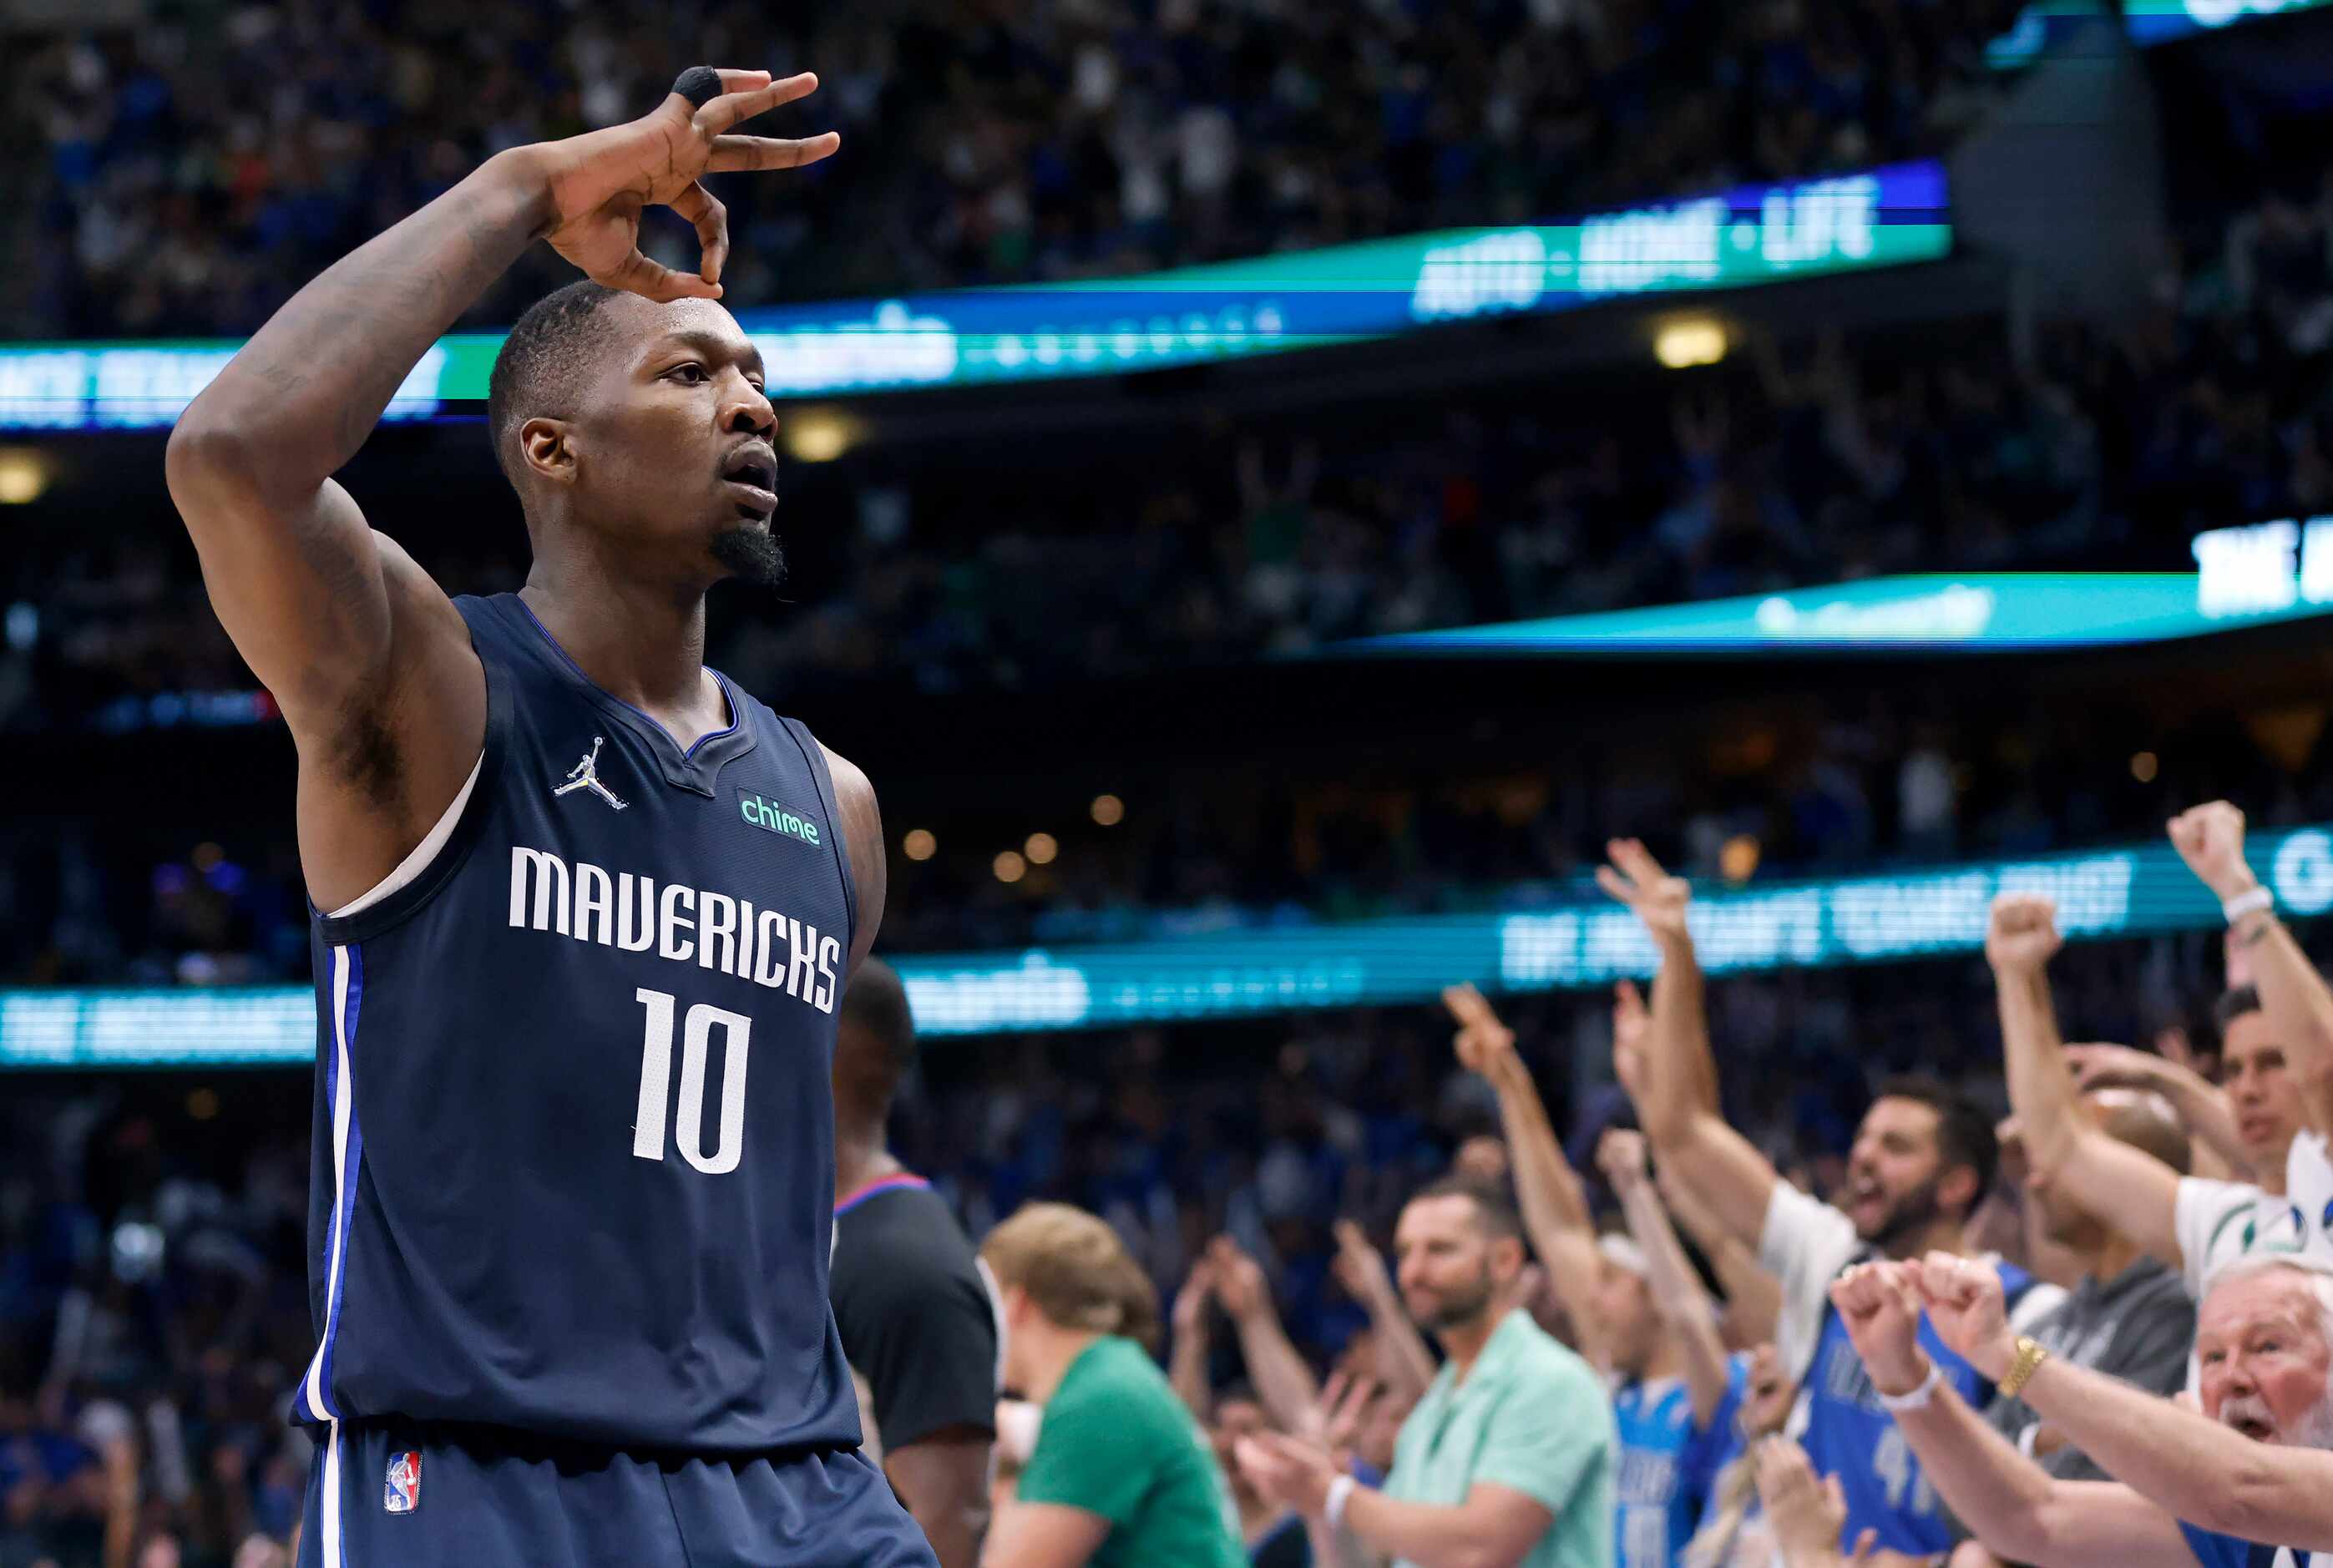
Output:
x,y
2248,1481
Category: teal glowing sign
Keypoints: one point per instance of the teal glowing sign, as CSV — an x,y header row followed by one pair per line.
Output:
x,y
1583,941
1225,311
2251,575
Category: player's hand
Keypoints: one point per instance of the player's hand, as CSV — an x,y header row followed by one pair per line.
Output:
x,y
2021,935
1484,1044
602,181
1879,1304
1631,1026
1964,1302
1620,1154
1637,879
2210,839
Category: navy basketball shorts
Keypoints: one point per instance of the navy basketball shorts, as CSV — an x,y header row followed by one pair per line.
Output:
x,y
382,1496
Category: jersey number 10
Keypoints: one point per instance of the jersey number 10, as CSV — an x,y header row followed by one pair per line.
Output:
x,y
656,1083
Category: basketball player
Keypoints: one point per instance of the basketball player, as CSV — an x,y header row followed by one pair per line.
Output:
x,y
913,1302
585,910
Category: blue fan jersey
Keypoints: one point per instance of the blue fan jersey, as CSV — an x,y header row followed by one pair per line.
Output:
x,y
1849,1435
1667,1465
574,1145
2216,1550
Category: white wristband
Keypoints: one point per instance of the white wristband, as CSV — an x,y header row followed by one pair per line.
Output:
x,y
2245,903
1340,1492
1918,1400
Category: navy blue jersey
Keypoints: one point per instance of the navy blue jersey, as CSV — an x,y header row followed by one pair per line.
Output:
x,y
574,1144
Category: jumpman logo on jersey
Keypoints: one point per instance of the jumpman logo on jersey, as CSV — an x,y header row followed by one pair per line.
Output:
x,y
585,775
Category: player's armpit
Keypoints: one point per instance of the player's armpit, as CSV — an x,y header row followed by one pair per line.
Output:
x,y
862,832
942,1480
370,662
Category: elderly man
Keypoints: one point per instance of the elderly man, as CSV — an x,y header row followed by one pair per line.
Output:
x,y
2247,1483
1507,1462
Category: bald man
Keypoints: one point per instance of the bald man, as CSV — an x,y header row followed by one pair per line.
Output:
x,y
2131,1316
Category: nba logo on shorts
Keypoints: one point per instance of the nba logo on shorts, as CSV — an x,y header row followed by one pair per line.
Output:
x,y
403,1493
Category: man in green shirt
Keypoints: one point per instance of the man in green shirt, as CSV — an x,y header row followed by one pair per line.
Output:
x,y
1121,1477
1507,1462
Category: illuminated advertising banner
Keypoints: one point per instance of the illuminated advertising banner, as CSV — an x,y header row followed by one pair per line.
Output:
x,y
2149,21
1229,310
1586,941
2251,575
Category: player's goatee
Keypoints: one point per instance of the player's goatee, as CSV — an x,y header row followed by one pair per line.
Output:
x,y
752,555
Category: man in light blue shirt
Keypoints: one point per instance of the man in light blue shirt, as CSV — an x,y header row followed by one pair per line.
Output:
x,y
1508,1459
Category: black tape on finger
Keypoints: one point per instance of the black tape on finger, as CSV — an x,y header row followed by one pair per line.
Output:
x,y
700,84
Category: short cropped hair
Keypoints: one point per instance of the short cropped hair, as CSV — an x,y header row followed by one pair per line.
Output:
x,y
1965,1134
1494,1206
543,363
1075,1269
2234,1002
875,1049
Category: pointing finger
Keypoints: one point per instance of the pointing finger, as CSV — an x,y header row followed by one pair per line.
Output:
x,y
752,154
732,109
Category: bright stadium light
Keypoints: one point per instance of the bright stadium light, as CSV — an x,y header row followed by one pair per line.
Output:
x,y
819,435
1109,811
1009,866
1690,341
919,844
23,475
1041,849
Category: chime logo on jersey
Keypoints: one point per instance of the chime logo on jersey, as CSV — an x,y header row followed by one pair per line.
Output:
x,y
774,819
402,1495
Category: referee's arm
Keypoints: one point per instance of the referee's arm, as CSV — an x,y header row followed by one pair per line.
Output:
x,y
942,1479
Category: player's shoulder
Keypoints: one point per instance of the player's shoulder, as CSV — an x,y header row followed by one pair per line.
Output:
x,y
903,1241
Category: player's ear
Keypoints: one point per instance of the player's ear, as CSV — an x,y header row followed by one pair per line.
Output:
x,y
547,447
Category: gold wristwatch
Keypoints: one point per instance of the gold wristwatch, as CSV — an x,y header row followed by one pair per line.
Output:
x,y
2031,1354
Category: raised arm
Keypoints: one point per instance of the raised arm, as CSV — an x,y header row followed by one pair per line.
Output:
x,y
1282,1381
1753,1297
1677,1294
2201,1105
1404,1363
2017,1508
2210,839
371,663
1187,1358
2133,1193
1678,1104
1554,1203
2197,1469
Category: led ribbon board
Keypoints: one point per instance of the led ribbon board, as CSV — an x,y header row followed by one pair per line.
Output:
x,y
1230,310
2251,575
1580,941
2149,21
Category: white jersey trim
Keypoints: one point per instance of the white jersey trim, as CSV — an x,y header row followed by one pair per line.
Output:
x,y
410,868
